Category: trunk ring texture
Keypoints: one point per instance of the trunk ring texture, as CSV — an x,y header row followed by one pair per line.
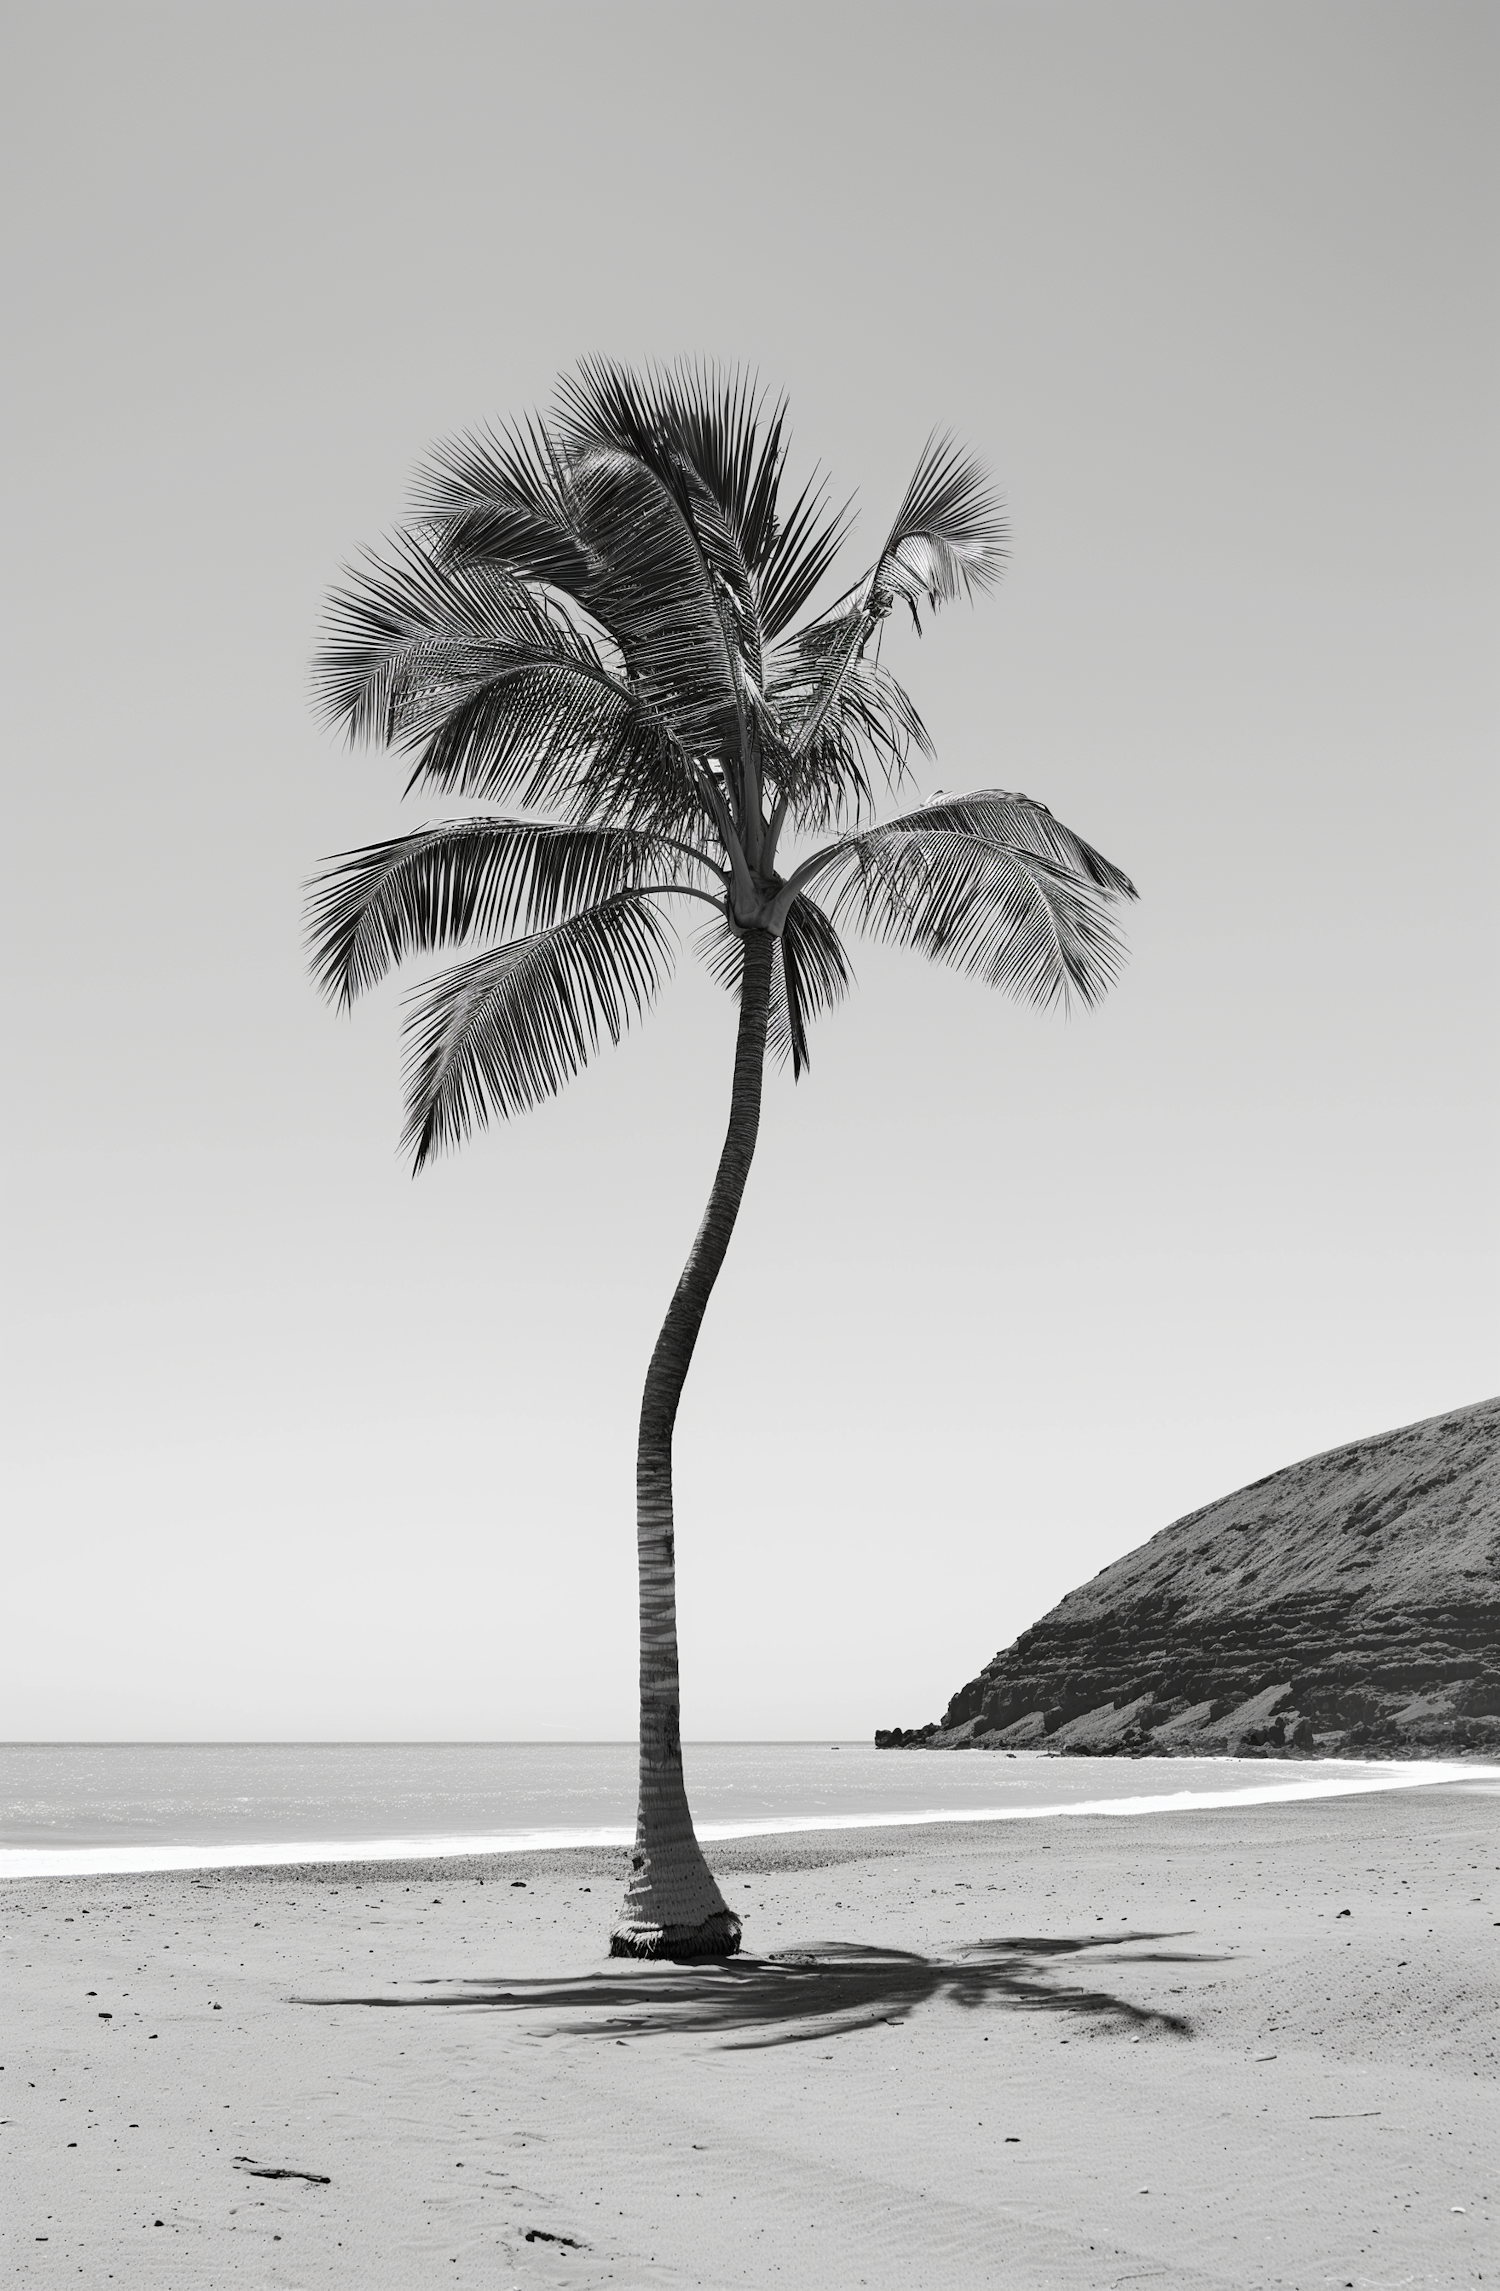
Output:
x,y
672,1907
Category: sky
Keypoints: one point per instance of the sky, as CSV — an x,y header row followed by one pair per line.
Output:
x,y
298,1447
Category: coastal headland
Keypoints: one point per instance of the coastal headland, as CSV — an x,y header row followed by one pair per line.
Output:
x,y
1349,1604
1249,2045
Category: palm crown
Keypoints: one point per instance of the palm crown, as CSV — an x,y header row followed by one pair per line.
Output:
x,y
605,618
605,621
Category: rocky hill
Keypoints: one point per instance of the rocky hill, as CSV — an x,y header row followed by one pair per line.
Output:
x,y
1348,1603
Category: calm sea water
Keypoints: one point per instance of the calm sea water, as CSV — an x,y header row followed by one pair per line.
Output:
x,y
73,1807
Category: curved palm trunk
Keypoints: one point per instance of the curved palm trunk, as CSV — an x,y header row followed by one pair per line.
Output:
x,y
672,1906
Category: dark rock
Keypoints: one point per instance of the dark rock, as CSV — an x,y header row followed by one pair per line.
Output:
x,y
1097,1732
1365,1583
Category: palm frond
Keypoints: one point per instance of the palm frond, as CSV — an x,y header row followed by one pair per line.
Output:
x,y
802,552
949,535
404,632
697,432
948,540
997,816
811,975
991,884
461,877
564,733
499,1034
738,450
868,726
721,950
712,441
501,497
674,585
657,593
588,509
496,693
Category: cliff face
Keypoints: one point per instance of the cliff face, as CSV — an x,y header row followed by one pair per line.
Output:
x,y
1350,1602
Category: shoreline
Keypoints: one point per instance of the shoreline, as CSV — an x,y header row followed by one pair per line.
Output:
x,y
20,1863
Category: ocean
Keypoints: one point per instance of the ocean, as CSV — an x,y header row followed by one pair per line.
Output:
x,y
72,1808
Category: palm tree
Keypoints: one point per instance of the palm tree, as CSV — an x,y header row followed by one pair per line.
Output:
x,y
604,617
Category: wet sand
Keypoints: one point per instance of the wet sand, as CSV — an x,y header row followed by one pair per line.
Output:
x,y
1080,2052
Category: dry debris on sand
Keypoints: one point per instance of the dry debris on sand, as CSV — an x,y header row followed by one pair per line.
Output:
x,y
1247,2046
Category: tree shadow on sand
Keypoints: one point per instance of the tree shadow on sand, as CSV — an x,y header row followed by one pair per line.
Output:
x,y
798,1995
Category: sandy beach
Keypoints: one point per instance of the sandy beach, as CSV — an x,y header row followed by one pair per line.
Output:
x,y
1246,2046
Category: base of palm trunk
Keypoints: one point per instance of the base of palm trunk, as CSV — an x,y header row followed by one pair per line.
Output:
x,y
717,1936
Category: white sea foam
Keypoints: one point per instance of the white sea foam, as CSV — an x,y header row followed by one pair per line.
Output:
x,y
140,1860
